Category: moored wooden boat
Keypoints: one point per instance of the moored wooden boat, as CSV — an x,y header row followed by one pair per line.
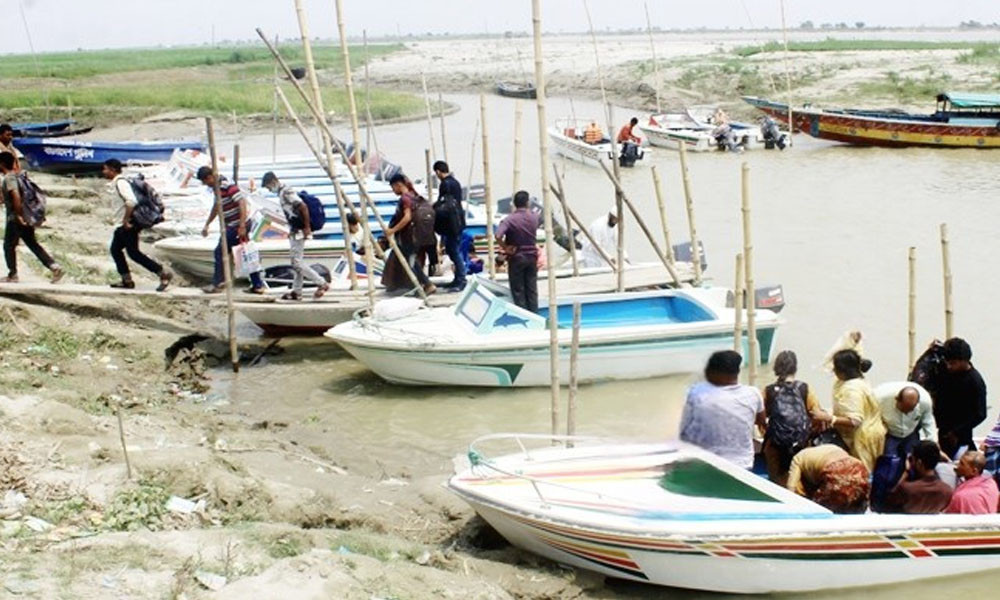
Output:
x,y
960,121
485,340
513,89
68,155
674,515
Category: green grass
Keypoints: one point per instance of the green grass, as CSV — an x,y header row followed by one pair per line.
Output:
x,y
836,45
983,53
75,65
214,97
907,89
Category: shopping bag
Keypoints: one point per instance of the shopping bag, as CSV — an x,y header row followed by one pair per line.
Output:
x,y
246,258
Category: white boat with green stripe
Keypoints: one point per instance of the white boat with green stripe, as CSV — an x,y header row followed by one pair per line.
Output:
x,y
485,340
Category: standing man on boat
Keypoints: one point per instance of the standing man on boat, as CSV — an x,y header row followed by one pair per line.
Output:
x,y
720,413
299,230
959,398
450,221
7,145
236,218
17,228
517,236
604,230
126,235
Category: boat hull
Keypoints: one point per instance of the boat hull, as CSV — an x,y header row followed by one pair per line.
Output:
x,y
529,367
526,92
57,155
782,563
869,130
196,256
291,318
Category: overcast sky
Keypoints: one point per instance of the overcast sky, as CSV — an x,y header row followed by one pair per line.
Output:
x,y
89,24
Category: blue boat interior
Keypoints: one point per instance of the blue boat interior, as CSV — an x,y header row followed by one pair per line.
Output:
x,y
632,311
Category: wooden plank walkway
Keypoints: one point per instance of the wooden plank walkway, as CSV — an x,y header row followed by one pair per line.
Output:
x,y
101,291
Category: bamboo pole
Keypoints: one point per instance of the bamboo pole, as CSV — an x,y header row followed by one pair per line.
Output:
x,y
518,113
274,114
487,190
949,308
428,174
689,203
444,138
656,67
338,190
751,303
642,225
662,206
583,228
569,224
322,125
356,138
358,176
574,359
911,313
616,168
121,436
236,164
739,301
788,76
543,155
430,118
472,157
227,269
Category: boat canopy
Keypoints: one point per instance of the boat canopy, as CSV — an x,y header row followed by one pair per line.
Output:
x,y
970,100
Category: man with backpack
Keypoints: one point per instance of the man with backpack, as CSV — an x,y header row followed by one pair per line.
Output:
x,y
299,209
25,210
449,221
137,207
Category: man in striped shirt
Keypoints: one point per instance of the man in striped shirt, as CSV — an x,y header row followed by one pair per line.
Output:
x,y
235,215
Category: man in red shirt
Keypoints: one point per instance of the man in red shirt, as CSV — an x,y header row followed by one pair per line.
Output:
x,y
977,494
625,133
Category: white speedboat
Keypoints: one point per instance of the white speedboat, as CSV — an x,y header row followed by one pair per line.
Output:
x,y
697,129
568,139
674,515
485,340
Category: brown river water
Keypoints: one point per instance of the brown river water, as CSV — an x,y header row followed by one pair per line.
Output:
x,y
831,223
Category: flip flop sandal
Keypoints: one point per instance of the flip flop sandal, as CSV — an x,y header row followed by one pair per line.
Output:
x,y
320,291
291,296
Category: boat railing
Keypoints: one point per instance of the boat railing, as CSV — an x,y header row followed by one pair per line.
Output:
x,y
478,460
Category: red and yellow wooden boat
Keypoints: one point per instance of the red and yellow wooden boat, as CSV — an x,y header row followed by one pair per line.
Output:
x,y
961,120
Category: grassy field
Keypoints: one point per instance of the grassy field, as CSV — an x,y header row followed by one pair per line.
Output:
x,y
835,45
114,85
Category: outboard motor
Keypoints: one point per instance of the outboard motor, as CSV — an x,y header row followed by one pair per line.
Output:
x,y
725,138
629,154
684,253
771,297
772,134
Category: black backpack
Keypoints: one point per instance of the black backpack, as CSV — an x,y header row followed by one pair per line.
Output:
x,y
448,217
423,217
148,209
788,421
33,200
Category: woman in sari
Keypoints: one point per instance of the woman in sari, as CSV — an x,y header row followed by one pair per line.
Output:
x,y
856,413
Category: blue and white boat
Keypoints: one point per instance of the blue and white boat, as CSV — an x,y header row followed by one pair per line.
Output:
x,y
485,340
69,155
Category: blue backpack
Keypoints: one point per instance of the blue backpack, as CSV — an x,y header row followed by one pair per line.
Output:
x,y
317,214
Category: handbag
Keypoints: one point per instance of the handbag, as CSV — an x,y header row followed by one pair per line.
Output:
x,y
246,259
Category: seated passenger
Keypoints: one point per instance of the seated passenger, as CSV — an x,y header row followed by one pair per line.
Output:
x,y
720,413
977,494
830,477
925,493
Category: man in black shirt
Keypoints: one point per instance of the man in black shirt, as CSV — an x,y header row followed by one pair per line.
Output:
x,y
959,398
450,200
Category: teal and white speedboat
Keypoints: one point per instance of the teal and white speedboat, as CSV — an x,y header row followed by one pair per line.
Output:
x,y
485,340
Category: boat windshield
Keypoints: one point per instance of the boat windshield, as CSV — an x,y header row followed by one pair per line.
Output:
x,y
695,477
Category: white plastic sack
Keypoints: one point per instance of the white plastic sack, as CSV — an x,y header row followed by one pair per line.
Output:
x,y
396,308
246,259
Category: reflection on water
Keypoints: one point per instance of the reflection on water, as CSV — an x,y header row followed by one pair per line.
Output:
x,y
831,223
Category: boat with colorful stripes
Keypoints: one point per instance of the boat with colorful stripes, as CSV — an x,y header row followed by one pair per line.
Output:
x,y
961,120
675,515
484,339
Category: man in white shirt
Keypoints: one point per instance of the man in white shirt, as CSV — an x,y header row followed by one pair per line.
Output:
x,y
604,230
299,230
720,413
908,415
126,235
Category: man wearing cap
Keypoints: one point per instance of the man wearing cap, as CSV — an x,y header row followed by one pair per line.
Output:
x,y
604,230
235,216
